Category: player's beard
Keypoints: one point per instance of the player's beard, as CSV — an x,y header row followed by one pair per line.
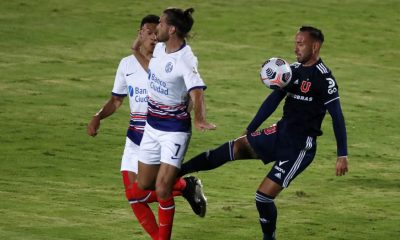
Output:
x,y
301,58
162,37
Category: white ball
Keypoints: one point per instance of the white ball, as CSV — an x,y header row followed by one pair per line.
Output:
x,y
275,73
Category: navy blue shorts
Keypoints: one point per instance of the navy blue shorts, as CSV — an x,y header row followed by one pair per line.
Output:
x,y
291,155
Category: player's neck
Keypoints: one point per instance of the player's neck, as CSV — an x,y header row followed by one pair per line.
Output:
x,y
312,61
174,44
146,53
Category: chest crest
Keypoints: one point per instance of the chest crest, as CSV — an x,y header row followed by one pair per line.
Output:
x,y
169,67
305,86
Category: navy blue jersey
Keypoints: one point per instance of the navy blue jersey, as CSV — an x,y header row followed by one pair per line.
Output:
x,y
308,93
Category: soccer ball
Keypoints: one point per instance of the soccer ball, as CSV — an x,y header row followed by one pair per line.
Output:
x,y
275,73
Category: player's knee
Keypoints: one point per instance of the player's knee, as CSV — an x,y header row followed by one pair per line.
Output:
x,y
163,191
242,149
134,193
143,185
129,193
128,178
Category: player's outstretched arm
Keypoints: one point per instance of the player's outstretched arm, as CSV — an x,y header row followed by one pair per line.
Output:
x,y
200,122
108,109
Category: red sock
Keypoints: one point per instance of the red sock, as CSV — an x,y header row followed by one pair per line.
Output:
x,y
146,218
177,189
140,208
176,193
166,211
152,197
179,185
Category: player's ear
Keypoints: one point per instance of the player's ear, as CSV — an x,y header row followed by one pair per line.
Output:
x,y
316,46
172,30
140,32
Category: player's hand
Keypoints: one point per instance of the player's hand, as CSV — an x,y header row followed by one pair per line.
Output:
x,y
202,126
342,166
137,42
93,126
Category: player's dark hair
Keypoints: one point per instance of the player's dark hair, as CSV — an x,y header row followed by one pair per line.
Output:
x,y
315,33
181,19
150,19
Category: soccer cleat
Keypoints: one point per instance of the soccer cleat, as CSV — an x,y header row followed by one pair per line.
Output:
x,y
193,193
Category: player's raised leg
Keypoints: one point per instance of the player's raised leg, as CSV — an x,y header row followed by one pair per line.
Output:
x,y
233,150
194,194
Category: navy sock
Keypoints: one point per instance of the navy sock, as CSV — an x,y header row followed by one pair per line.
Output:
x,y
268,214
208,160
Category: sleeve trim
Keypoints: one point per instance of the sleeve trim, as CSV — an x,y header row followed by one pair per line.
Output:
x,y
118,95
331,100
198,87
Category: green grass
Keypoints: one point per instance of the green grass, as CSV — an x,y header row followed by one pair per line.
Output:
x,y
57,66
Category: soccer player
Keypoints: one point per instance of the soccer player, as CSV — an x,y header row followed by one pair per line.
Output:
x,y
173,81
291,143
131,80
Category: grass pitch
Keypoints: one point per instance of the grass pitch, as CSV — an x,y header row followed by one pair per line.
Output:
x,y
57,66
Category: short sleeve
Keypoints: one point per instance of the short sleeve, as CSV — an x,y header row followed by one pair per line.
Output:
x,y
120,86
191,75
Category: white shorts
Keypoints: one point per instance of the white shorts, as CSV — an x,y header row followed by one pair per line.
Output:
x,y
130,157
167,147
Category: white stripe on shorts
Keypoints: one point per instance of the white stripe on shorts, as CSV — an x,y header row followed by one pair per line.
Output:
x,y
296,165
